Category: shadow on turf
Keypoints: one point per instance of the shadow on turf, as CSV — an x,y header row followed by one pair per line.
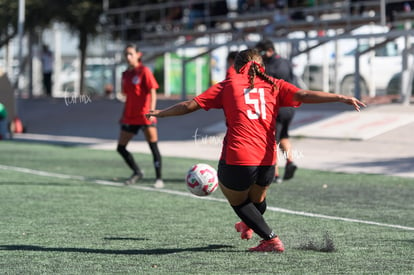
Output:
x,y
156,251
124,239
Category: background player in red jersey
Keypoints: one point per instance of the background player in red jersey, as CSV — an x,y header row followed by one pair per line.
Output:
x,y
139,87
250,100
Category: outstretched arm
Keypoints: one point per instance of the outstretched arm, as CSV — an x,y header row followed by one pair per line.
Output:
x,y
178,109
307,96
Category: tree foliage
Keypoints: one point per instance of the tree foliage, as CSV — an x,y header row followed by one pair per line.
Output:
x,y
82,16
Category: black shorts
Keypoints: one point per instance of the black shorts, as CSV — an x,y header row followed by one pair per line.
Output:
x,y
283,120
135,128
240,178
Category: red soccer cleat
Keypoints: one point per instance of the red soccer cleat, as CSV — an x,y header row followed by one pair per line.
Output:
x,y
246,232
272,245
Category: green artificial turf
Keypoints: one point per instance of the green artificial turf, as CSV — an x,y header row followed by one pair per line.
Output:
x,y
57,219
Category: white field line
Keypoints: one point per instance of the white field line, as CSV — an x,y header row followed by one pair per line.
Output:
x,y
187,194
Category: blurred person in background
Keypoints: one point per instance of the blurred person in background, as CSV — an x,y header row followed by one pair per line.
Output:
x,y
3,122
47,69
280,68
140,89
230,63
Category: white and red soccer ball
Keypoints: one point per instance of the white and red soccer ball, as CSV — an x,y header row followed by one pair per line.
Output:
x,y
201,179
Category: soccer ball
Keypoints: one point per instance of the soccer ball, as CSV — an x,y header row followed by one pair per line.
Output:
x,y
201,179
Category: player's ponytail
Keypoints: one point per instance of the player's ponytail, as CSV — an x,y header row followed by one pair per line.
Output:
x,y
252,74
266,78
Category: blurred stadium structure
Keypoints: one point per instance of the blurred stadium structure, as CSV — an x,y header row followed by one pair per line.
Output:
x,y
185,43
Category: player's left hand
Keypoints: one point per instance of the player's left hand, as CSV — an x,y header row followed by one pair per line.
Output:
x,y
152,113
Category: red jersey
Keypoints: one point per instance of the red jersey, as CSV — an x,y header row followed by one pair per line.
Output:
x,y
230,71
136,85
250,116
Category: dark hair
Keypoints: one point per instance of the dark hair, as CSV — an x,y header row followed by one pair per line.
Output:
x,y
246,56
133,46
232,55
265,45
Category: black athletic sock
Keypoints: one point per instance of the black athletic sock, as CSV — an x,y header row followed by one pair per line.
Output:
x,y
251,216
129,159
261,206
156,158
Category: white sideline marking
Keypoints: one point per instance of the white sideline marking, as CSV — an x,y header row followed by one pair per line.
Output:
x,y
187,194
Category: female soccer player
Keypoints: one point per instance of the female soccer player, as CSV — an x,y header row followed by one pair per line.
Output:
x,y
250,100
139,86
